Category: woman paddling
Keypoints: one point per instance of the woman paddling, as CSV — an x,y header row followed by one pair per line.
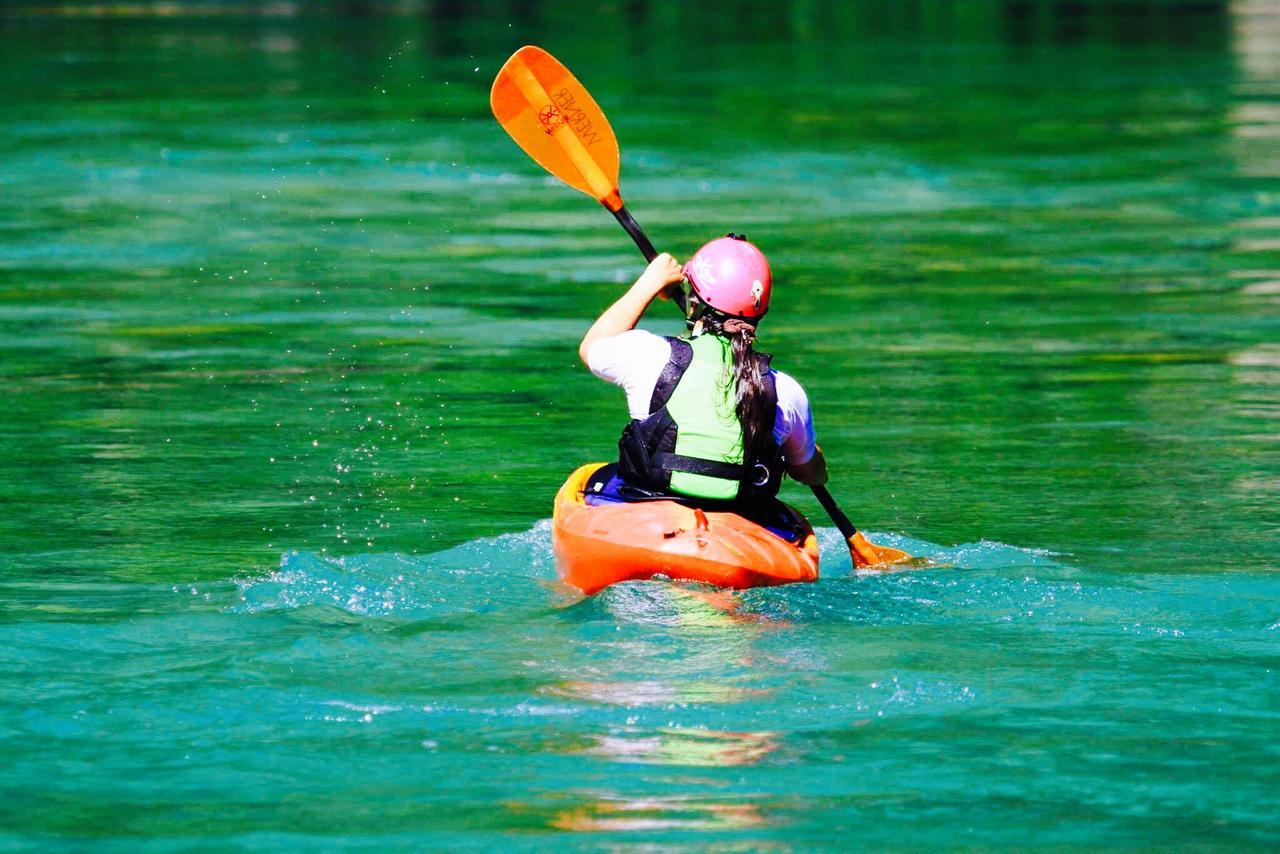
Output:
x,y
712,423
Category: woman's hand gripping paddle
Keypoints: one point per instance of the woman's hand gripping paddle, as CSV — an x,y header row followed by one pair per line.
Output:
x,y
556,121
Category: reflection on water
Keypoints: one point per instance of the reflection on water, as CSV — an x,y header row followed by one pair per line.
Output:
x,y
674,746
674,812
653,693
1256,381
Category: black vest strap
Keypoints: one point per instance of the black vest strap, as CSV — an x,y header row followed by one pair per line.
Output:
x,y
770,385
672,371
678,462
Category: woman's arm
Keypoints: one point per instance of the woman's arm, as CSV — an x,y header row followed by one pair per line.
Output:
x,y
625,313
812,473
796,420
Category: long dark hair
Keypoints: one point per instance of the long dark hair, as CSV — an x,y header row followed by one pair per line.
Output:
x,y
749,371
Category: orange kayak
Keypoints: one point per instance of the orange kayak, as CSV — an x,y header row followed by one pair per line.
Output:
x,y
596,546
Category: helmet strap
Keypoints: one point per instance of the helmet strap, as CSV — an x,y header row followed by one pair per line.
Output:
x,y
695,308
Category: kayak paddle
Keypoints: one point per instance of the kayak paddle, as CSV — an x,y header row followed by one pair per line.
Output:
x,y
864,552
556,121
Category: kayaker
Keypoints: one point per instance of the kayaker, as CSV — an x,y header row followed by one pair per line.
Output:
x,y
712,422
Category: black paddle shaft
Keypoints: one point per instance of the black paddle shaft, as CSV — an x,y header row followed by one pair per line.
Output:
x,y
837,515
627,221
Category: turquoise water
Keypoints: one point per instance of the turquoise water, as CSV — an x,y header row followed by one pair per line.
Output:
x,y
459,698
288,333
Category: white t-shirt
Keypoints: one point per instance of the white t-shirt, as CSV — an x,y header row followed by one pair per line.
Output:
x,y
634,360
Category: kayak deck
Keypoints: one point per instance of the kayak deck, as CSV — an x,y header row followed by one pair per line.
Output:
x,y
596,546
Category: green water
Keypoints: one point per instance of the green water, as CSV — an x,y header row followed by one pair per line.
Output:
x,y
288,338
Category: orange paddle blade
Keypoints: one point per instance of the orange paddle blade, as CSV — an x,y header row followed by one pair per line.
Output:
x,y
866,553
556,121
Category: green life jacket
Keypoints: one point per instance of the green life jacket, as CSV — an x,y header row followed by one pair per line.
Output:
x,y
691,443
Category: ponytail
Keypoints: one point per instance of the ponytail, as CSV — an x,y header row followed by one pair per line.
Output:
x,y
752,404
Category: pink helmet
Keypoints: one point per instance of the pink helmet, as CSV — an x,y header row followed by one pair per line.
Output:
x,y
732,276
